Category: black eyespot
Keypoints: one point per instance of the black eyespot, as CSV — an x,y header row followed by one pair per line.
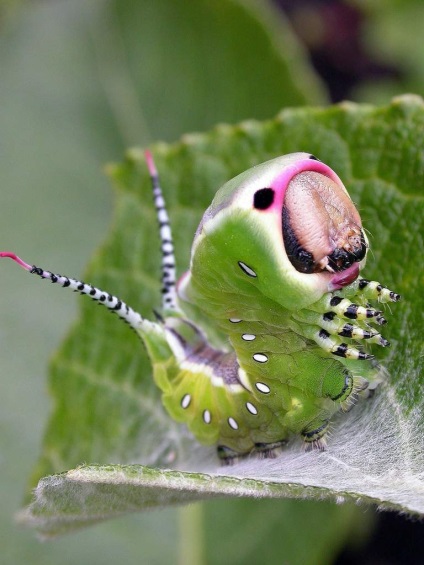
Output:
x,y
263,198
313,158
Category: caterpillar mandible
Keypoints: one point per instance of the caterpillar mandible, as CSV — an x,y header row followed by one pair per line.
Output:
x,y
275,266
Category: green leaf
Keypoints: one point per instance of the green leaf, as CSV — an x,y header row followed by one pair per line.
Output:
x,y
106,407
110,491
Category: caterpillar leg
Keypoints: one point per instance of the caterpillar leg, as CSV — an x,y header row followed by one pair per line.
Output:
x,y
314,435
348,396
269,450
372,290
228,456
327,384
362,289
334,325
336,315
344,308
334,345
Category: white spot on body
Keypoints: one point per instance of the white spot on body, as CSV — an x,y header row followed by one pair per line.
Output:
x,y
248,337
185,401
262,387
207,417
248,270
251,408
232,423
260,357
235,320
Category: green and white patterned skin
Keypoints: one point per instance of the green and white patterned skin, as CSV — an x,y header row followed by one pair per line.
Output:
x,y
274,266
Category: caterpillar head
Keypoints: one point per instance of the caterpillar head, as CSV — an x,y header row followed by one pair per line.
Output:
x,y
287,227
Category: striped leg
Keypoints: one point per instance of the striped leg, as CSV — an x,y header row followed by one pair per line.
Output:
x,y
331,323
314,435
347,309
373,290
333,344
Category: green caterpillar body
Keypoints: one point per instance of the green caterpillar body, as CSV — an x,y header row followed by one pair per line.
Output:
x,y
289,371
275,267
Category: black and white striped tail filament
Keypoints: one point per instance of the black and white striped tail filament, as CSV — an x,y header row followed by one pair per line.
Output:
x,y
113,303
169,294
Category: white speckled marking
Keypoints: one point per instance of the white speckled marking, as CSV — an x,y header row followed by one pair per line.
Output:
x,y
248,337
252,409
260,357
262,387
207,417
185,401
235,320
250,272
232,423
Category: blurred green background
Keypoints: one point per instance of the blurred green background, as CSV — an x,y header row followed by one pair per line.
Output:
x,y
80,82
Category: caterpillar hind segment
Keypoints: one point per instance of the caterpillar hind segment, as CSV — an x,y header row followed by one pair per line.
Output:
x,y
275,266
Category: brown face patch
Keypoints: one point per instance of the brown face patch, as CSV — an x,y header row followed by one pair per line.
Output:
x,y
322,229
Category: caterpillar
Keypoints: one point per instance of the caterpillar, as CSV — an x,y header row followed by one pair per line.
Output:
x,y
275,266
